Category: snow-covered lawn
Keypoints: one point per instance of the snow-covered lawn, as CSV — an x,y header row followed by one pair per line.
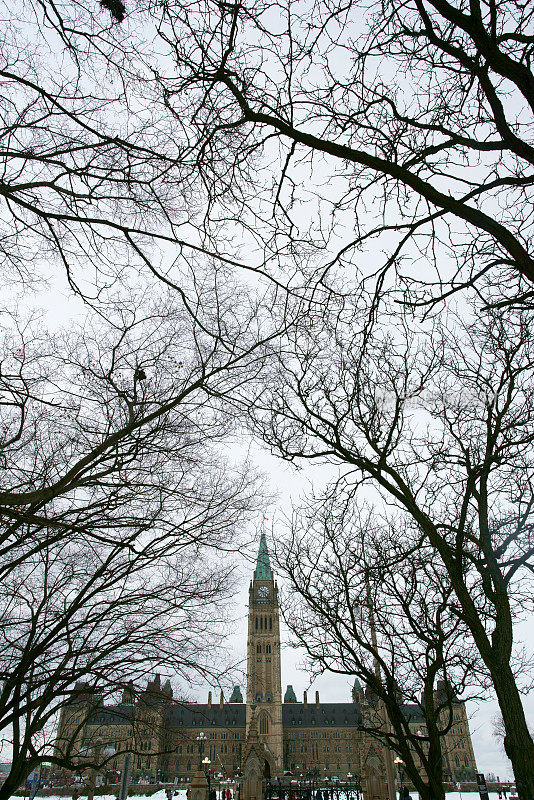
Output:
x,y
160,795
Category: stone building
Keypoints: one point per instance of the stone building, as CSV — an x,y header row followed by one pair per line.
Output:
x,y
264,736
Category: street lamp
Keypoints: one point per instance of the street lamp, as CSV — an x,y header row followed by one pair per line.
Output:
x,y
399,764
237,778
206,765
201,739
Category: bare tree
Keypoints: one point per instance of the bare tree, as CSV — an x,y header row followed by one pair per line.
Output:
x,y
370,601
439,424
329,132
114,493
93,182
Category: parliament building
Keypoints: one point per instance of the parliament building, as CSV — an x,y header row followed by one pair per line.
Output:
x,y
276,734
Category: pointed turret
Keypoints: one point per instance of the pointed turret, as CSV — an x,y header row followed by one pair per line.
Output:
x,y
236,696
263,567
290,696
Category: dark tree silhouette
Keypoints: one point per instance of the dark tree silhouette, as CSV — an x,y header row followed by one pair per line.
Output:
x,y
333,132
114,494
440,424
369,600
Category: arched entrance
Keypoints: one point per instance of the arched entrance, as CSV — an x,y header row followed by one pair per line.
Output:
x,y
266,769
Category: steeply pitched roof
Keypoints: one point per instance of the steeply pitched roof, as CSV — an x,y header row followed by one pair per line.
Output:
x,y
413,712
263,567
121,714
203,716
337,714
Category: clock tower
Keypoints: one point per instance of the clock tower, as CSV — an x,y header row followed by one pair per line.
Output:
x,y
264,682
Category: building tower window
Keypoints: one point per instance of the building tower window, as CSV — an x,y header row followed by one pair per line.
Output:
x,y
264,724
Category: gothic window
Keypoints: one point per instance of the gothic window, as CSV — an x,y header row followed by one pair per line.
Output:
x,y
270,623
189,766
261,623
258,648
256,622
264,724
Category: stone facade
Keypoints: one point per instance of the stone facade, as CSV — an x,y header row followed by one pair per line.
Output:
x,y
264,736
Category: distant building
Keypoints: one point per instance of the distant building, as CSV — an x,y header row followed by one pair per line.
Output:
x,y
5,769
282,734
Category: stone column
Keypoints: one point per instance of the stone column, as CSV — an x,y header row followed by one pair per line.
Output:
x,y
198,788
252,778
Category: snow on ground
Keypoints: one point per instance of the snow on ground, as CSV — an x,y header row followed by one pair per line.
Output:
x,y
160,795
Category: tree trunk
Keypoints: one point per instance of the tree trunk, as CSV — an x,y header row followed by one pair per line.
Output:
x,y
14,780
517,741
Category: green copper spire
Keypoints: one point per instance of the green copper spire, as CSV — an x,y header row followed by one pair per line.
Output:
x,y
290,696
236,697
263,567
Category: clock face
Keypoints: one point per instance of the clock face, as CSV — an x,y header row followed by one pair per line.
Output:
x,y
263,591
